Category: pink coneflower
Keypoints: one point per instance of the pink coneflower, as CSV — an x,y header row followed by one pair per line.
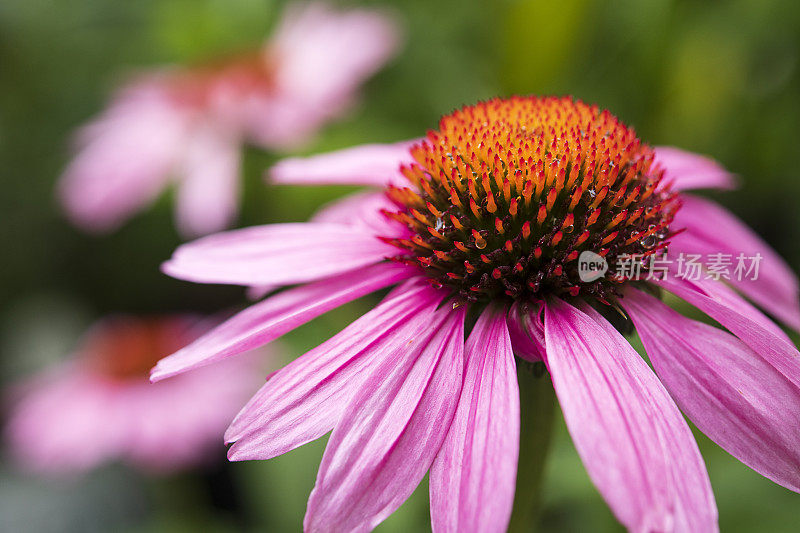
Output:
x,y
99,405
186,126
486,217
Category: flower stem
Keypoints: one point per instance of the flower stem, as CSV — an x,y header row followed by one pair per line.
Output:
x,y
537,401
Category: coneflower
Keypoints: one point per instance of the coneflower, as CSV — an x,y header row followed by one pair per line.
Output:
x,y
481,226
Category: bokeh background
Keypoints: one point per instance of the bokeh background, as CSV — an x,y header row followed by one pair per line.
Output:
x,y
716,77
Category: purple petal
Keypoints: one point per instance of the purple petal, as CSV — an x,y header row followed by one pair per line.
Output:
x,y
774,348
268,320
692,171
392,430
731,394
711,229
276,254
473,478
527,332
369,164
208,193
635,444
302,401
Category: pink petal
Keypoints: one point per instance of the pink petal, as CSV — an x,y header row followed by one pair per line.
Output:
x,y
256,292
276,254
369,164
728,297
304,400
473,478
324,55
268,320
710,229
208,193
47,427
774,348
392,430
363,210
527,331
692,171
730,393
631,437
179,422
124,158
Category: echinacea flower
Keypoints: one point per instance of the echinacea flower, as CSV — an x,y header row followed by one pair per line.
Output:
x,y
186,126
487,217
99,406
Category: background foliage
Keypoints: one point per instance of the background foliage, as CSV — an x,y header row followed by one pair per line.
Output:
x,y
718,77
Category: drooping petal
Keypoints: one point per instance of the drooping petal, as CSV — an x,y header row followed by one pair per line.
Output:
x,y
686,170
711,229
731,394
268,320
276,254
393,428
369,164
302,401
473,478
527,332
635,444
124,158
774,348
209,188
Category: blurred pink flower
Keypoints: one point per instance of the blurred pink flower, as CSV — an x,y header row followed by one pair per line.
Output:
x,y
99,405
186,126
487,215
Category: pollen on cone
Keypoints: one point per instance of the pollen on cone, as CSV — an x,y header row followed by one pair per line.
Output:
x,y
519,187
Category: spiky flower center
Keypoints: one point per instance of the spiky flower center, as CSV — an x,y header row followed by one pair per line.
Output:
x,y
508,193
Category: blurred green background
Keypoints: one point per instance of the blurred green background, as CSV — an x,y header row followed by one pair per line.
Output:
x,y
717,77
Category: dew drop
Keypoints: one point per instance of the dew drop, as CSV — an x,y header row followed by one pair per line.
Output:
x,y
481,244
568,229
649,241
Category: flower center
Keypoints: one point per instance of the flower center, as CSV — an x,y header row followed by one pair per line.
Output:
x,y
124,347
509,193
239,77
